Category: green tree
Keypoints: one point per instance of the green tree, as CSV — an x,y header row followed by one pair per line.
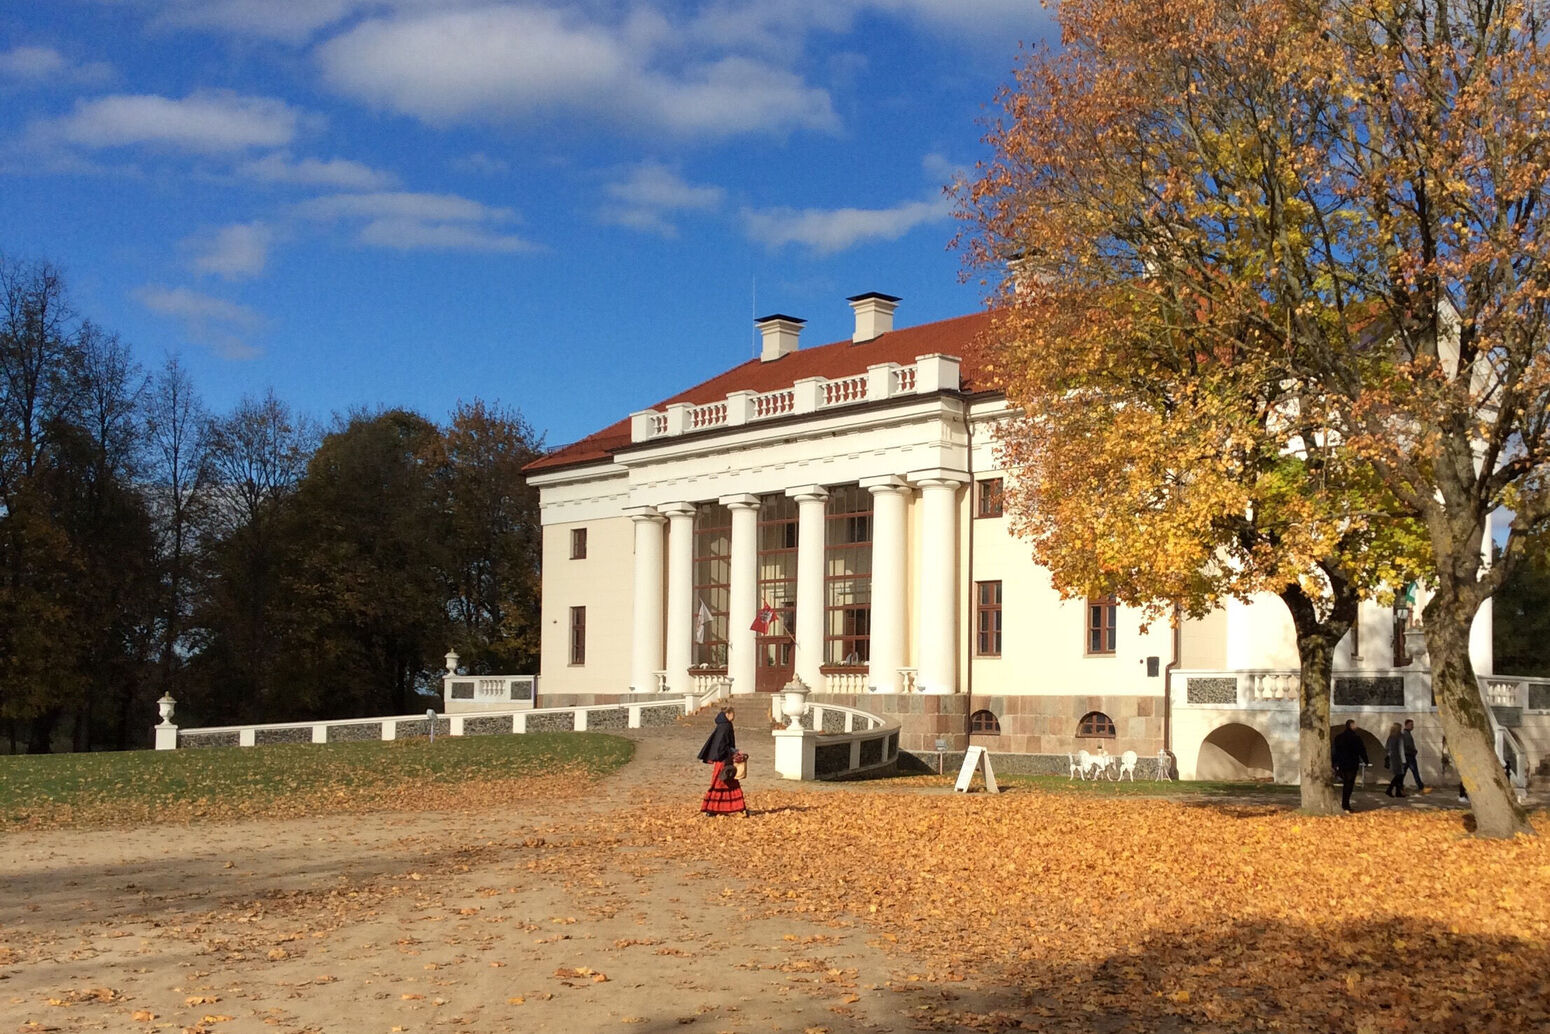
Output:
x,y
73,547
255,458
495,544
1521,633
366,611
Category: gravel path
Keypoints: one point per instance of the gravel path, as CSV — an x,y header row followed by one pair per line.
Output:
x,y
525,920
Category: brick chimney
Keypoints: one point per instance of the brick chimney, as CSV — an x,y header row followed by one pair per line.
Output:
x,y
874,315
780,334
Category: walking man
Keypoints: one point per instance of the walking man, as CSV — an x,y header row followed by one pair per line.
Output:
x,y
1408,738
1348,755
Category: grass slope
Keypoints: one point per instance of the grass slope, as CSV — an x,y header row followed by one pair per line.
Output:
x,y
235,782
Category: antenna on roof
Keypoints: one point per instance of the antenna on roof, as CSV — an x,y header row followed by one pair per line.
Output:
x,y
753,314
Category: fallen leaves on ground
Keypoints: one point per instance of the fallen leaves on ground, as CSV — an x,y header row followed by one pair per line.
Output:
x,y
1145,911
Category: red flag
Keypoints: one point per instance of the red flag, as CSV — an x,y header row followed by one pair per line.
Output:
x,y
764,619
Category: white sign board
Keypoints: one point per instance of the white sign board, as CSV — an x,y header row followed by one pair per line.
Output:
x,y
977,757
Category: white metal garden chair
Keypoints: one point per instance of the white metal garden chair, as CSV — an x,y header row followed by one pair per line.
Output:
x,y
1127,763
1090,764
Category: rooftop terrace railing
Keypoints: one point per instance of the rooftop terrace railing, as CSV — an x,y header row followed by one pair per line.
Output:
x,y
927,375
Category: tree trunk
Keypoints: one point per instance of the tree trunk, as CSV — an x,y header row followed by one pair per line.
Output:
x,y
1316,641
1316,662
1462,708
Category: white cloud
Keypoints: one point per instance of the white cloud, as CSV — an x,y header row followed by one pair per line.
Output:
x,y
827,231
216,323
651,194
233,252
335,172
735,95
403,204
35,64
519,63
410,221
207,122
414,235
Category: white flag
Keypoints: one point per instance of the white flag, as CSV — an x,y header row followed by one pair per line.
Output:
x,y
701,619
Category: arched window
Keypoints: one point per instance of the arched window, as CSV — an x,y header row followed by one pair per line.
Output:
x,y
1096,723
986,722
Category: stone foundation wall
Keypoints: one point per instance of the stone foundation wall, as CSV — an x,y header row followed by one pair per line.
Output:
x,y
547,700
949,762
1031,725
922,717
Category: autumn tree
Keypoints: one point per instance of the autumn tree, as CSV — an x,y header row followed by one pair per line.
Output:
x,y
1321,219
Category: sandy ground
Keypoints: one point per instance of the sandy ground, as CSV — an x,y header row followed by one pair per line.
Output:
x,y
482,920
530,918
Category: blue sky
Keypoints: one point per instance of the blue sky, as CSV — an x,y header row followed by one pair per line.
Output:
x,y
574,209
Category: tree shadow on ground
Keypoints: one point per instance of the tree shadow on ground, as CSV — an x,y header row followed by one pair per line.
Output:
x,y
1353,977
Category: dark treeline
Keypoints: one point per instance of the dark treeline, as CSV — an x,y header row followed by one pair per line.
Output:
x,y
255,566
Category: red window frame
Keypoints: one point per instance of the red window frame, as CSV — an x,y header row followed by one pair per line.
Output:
x,y
1102,615
987,619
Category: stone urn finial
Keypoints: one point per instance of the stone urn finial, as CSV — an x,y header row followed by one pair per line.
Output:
x,y
451,660
794,701
165,706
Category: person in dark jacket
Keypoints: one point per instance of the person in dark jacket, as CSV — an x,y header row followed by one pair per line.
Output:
x,y
1394,761
1412,764
1348,755
725,796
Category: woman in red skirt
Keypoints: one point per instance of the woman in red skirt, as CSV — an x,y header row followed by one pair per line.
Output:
x,y
725,796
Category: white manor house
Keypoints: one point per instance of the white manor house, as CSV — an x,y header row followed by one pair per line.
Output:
x,y
834,514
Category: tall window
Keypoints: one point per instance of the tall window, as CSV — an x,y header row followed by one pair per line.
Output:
x,y
1401,624
712,584
987,619
1101,614
847,562
578,635
777,584
988,496
578,543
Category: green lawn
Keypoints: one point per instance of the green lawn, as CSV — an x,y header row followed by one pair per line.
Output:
x,y
232,782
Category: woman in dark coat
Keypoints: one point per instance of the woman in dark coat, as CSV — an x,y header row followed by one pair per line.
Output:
x,y
1394,751
725,796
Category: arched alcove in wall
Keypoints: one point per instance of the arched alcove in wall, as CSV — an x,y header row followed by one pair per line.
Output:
x,y
1235,752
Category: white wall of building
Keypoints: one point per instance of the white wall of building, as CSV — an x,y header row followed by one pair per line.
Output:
x,y
603,583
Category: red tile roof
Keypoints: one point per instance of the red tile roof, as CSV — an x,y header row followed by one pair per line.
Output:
x,y
954,337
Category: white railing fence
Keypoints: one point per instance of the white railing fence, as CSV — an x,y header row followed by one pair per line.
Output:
x,y
625,714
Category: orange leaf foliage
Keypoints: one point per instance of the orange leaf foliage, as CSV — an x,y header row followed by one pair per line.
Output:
x,y
1136,911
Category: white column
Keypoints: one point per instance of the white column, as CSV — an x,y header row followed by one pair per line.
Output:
x,y
810,545
743,592
646,618
680,589
938,580
890,501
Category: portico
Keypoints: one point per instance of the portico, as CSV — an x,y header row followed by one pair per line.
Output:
x,y
854,572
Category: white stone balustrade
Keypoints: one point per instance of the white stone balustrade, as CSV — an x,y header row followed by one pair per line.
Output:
x,y
797,749
845,682
1506,692
928,374
387,728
